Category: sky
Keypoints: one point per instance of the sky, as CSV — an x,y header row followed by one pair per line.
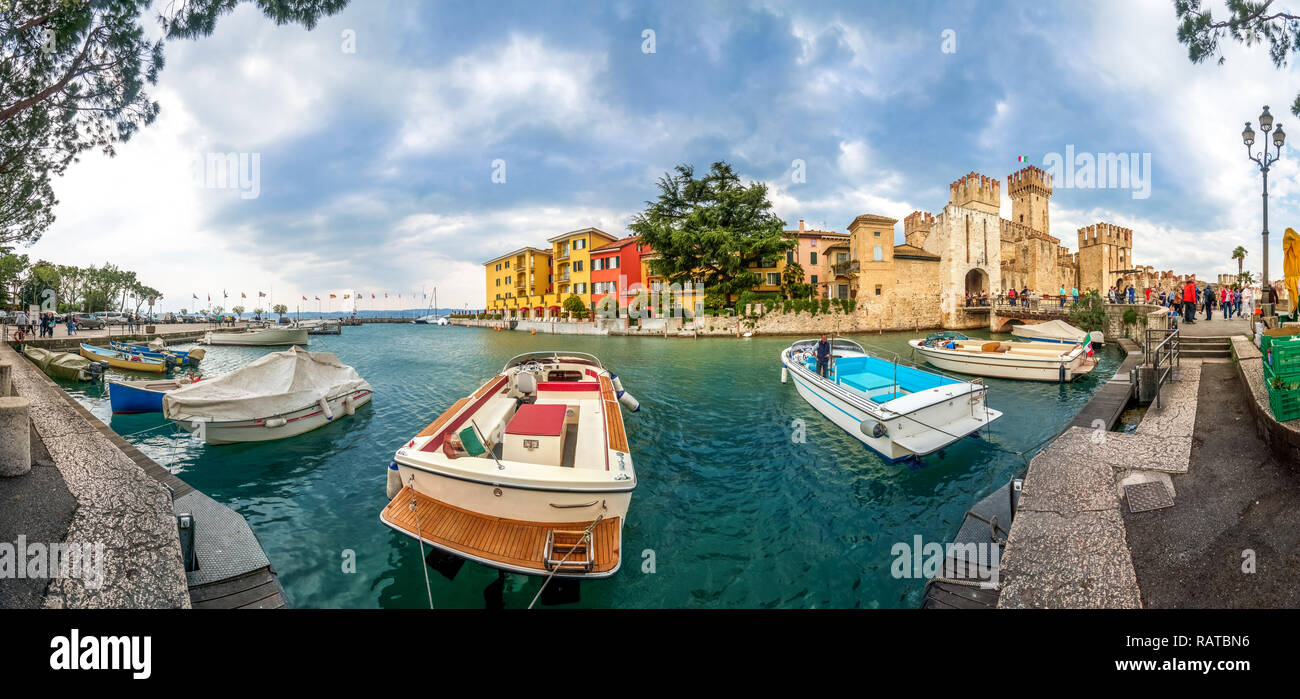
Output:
x,y
399,145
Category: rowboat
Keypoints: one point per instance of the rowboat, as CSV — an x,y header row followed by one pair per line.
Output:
x,y
1056,331
282,394
268,337
65,365
141,396
530,474
1032,361
896,409
182,358
129,361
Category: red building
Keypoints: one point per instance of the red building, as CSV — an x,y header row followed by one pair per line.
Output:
x,y
614,268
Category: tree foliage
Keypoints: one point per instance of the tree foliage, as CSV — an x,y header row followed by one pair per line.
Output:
x,y
1248,22
73,77
712,229
1089,312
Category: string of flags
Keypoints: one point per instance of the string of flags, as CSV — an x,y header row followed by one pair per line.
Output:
x,y
347,296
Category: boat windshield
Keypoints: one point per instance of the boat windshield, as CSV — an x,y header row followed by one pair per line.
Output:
x,y
837,343
554,356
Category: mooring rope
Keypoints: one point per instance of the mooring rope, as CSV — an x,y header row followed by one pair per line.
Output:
x,y
415,498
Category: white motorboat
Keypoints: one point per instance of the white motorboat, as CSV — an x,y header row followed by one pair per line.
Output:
x,y
1056,331
530,474
1032,361
283,394
267,337
321,326
896,409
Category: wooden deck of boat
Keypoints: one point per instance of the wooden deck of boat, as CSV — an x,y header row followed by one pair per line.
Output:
x,y
506,541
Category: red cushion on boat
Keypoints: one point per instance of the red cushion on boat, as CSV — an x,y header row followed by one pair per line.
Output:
x,y
537,420
567,386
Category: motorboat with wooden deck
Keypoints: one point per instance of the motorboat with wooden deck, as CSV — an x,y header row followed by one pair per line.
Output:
x,y
530,474
1031,361
898,410
265,337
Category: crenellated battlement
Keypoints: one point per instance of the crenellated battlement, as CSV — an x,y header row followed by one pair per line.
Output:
x,y
1029,179
975,191
916,228
1107,234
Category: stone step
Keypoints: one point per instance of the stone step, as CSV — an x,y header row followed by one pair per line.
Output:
x,y
1205,353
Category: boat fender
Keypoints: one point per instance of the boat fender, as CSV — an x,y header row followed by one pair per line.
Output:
x,y
873,428
325,408
629,402
276,422
348,407
394,480
785,375
616,382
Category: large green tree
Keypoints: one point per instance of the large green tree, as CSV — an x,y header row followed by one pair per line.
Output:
x,y
73,75
1248,22
712,228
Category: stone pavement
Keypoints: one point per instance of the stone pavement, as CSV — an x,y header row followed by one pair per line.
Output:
x,y
1217,327
117,505
1067,547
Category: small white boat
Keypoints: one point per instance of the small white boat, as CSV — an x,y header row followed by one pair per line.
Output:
x,y
283,394
896,409
431,320
1032,361
268,337
1056,331
530,474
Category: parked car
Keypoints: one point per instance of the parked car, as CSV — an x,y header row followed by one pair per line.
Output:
x,y
170,318
89,321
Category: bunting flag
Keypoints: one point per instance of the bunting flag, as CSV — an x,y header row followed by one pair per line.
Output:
x,y
1022,159
242,295
304,298
196,296
333,296
385,295
260,295
372,296
317,298
209,298
223,294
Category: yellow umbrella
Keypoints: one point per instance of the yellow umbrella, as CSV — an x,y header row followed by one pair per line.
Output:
x,y
1291,264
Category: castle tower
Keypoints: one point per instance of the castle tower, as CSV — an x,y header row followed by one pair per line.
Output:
x,y
916,228
1031,191
1105,252
976,192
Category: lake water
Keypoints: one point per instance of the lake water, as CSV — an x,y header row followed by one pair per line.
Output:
x,y
730,509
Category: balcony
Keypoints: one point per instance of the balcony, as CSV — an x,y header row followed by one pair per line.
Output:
x,y
562,255
562,276
845,269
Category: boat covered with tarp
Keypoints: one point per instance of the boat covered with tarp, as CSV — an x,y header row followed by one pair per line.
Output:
x,y
64,365
280,395
1031,361
1056,331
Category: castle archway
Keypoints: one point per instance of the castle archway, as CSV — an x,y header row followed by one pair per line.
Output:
x,y
977,282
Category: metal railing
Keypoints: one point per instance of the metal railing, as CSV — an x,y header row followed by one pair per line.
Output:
x,y
1164,354
843,269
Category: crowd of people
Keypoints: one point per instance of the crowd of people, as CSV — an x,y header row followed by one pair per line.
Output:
x,y
1185,303
44,323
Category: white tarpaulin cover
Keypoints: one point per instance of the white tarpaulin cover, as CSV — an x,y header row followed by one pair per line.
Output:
x,y
1058,330
280,382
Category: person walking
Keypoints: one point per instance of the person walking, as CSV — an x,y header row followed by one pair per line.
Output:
x,y
71,323
823,356
1061,295
1223,301
1190,293
21,322
1209,302
1132,294
1074,292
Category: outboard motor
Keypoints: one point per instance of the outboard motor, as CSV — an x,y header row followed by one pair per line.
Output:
x,y
96,370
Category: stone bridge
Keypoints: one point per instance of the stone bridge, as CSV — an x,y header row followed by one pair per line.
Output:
x,y
1003,315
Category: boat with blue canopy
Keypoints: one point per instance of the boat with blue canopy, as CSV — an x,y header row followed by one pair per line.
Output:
x,y
897,409
181,357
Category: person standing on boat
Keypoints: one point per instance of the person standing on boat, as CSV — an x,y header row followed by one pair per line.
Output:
x,y
823,354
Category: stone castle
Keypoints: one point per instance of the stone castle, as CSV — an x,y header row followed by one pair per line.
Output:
x,y
968,248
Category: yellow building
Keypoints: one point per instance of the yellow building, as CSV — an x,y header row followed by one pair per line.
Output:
x,y
571,257
518,281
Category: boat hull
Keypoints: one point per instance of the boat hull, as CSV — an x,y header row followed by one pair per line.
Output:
x,y
1022,368
138,396
260,338
270,428
959,413
119,360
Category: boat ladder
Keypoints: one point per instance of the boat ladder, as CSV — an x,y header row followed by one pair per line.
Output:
x,y
570,551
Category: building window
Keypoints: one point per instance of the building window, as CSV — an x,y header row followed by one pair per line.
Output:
x,y
507,265
774,279
580,244
877,290
876,233
841,257
878,253
577,266
812,258
613,263
580,288
814,280
789,257
597,264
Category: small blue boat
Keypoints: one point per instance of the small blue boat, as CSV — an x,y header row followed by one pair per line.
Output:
x,y
139,396
181,357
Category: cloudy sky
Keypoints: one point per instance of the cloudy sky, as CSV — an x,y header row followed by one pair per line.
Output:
x,y
376,165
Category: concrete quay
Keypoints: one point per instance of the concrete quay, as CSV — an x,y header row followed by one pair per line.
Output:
x,y
1232,533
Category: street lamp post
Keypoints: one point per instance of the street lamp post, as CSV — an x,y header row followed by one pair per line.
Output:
x,y
1264,161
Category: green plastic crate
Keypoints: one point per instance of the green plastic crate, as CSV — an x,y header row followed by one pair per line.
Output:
x,y
1285,404
1283,358
1289,382
1266,341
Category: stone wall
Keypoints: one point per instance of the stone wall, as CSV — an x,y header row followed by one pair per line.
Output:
x,y
1148,316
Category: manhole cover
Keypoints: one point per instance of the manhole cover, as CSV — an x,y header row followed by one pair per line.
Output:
x,y
1151,495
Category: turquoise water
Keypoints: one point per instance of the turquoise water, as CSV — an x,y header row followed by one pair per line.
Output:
x,y
736,513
